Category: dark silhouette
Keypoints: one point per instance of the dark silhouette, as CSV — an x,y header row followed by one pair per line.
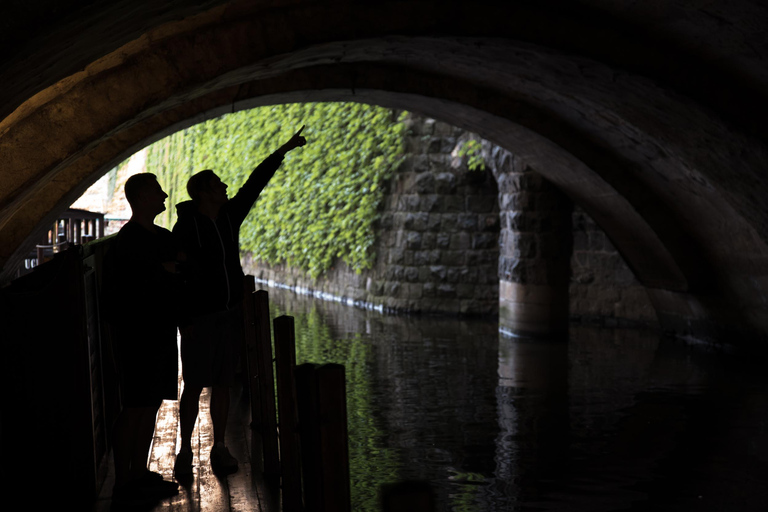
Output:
x,y
139,284
211,319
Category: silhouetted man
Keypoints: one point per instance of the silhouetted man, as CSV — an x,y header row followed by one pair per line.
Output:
x,y
208,230
139,292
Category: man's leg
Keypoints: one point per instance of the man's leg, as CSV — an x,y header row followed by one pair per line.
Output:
x,y
143,435
219,412
221,460
189,406
134,484
124,428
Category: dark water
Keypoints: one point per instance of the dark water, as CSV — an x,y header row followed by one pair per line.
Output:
x,y
611,420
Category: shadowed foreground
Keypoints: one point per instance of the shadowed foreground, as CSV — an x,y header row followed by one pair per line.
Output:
x,y
206,492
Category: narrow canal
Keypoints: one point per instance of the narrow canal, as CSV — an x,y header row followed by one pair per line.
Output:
x,y
614,419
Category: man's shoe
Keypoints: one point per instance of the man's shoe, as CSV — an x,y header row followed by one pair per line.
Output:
x,y
221,460
183,465
153,484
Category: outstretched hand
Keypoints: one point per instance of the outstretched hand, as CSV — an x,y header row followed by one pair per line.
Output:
x,y
294,142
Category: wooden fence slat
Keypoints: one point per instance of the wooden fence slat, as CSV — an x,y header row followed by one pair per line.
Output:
x,y
265,417
251,383
309,431
322,407
290,449
250,380
334,446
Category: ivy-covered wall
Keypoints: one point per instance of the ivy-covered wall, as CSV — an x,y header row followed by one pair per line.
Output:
x,y
321,204
437,237
392,210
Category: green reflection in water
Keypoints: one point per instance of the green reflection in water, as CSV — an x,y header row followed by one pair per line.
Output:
x,y
371,463
465,496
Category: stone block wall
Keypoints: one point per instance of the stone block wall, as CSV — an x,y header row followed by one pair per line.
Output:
x,y
438,236
555,261
502,241
534,264
603,288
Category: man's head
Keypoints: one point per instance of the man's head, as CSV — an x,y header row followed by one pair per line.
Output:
x,y
206,186
145,194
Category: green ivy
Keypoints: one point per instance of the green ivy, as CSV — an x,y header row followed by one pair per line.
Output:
x,y
473,150
371,462
322,203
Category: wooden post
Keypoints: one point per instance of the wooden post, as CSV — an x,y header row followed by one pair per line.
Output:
x,y
322,406
248,351
264,417
252,373
309,431
290,450
250,379
332,410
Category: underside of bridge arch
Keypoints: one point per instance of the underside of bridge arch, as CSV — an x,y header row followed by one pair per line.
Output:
x,y
603,99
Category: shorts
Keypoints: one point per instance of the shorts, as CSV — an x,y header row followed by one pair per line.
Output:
x,y
146,360
210,349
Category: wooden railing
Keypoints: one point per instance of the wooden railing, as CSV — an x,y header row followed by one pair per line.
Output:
x,y
308,449
72,227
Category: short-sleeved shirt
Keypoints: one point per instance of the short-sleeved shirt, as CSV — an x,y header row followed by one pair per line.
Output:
x,y
142,300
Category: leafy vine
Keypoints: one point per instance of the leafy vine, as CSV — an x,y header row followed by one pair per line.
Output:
x,y
322,203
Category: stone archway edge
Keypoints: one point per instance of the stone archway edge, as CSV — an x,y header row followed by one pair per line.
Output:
x,y
636,145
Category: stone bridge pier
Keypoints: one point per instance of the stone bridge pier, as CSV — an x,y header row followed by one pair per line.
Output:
x,y
556,265
535,255
502,240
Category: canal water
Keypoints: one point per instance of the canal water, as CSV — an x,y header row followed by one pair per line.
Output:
x,y
612,419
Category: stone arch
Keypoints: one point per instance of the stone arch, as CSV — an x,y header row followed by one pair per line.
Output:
x,y
556,266
616,120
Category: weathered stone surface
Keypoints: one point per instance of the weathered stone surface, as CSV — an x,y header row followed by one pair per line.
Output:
x,y
603,289
437,248
460,254
543,245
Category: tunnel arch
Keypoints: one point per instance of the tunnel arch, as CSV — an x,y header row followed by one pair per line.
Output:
x,y
653,166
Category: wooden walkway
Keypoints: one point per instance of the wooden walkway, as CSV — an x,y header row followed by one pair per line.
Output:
x,y
242,491
310,391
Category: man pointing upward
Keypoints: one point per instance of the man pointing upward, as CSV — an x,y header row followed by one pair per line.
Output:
x,y
211,322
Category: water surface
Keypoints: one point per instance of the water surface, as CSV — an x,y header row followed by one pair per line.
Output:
x,y
612,419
